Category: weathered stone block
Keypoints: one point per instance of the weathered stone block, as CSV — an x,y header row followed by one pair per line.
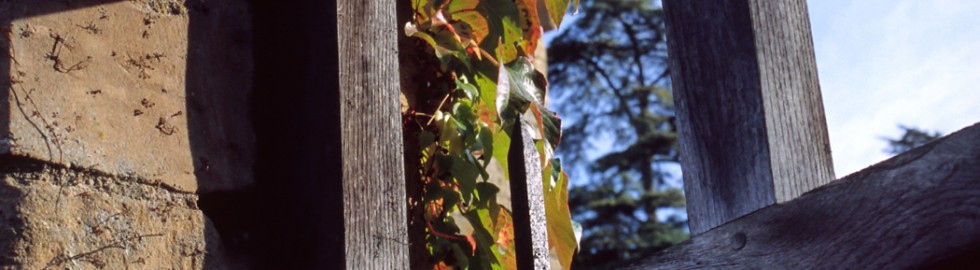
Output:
x,y
58,218
114,116
153,89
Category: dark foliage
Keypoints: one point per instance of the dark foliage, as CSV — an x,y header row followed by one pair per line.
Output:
x,y
912,138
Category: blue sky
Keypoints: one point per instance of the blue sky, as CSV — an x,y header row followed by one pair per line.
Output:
x,y
887,62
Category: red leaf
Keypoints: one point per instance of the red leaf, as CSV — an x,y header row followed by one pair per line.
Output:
x,y
442,266
470,239
530,24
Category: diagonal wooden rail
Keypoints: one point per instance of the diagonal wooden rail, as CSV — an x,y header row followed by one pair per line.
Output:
x,y
916,210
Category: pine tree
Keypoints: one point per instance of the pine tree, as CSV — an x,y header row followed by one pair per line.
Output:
x,y
912,138
609,78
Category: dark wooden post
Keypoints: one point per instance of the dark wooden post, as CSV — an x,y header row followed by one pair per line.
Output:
x,y
375,223
752,129
527,191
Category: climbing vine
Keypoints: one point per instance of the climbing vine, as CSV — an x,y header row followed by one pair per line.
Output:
x,y
481,83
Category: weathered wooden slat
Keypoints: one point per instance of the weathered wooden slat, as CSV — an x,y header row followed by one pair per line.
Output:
x,y
750,117
374,188
912,211
527,195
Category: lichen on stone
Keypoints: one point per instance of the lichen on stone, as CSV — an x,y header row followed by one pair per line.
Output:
x,y
170,7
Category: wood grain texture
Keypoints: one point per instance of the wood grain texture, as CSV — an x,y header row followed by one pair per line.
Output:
x,y
752,131
373,173
799,147
527,191
912,211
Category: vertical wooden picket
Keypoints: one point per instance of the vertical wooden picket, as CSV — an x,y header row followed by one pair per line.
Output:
x,y
371,138
750,115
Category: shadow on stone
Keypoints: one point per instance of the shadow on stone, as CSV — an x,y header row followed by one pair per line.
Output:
x,y
261,104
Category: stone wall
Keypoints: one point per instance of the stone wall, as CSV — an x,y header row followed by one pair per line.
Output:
x,y
115,116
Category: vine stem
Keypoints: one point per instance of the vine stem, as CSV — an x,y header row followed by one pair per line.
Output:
x,y
441,103
489,57
443,235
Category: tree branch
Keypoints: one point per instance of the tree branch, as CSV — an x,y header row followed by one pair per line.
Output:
x,y
623,105
637,54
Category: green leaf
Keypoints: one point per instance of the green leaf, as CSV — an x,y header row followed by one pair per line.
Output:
x,y
526,83
501,146
442,37
474,131
487,108
470,90
486,145
426,138
504,248
443,53
449,135
488,90
422,9
503,19
530,25
486,195
426,148
449,197
547,124
482,170
548,172
516,90
465,173
561,234
462,257
465,118
526,90
557,10
484,258
469,21
555,171
505,109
